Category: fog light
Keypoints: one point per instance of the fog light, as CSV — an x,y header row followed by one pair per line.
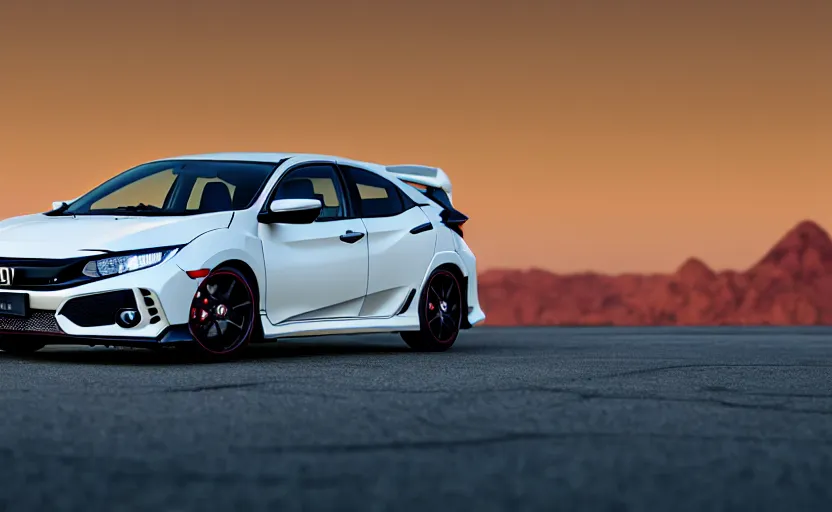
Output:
x,y
128,318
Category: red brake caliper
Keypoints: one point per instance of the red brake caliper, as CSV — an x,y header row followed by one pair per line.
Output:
x,y
203,315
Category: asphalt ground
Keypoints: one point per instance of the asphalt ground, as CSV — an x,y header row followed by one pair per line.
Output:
x,y
509,419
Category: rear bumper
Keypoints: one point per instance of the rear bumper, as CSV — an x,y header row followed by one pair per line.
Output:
x,y
161,295
476,315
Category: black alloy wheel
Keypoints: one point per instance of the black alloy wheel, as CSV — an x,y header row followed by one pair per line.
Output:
x,y
223,313
440,314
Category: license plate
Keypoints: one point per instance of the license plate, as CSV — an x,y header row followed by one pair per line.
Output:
x,y
14,304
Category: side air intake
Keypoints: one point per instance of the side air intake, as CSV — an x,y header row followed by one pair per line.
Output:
x,y
408,302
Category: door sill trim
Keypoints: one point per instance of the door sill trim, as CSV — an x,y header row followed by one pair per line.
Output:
x,y
340,326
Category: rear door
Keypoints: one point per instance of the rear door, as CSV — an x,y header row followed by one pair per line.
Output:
x,y
401,240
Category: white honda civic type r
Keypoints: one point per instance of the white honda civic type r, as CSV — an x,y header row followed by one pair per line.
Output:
x,y
218,251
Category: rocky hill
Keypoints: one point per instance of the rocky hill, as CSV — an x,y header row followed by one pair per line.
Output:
x,y
790,285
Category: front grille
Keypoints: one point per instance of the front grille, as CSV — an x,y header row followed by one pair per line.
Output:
x,y
99,309
42,274
39,321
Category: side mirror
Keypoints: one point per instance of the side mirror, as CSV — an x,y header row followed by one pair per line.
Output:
x,y
60,204
292,211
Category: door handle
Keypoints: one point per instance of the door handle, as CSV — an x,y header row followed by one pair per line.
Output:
x,y
351,237
427,226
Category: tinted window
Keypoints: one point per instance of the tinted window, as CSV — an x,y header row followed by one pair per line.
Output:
x,y
178,187
314,182
376,196
437,195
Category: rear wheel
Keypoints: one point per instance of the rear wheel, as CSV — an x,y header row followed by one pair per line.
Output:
x,y
20,346
224,314
440,314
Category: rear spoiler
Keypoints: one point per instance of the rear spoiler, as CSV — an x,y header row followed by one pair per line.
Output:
x,y
435,184
433,177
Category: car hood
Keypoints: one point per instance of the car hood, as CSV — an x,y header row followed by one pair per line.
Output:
x,y
43,237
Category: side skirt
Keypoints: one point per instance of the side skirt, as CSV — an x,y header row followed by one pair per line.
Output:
x,y
340,326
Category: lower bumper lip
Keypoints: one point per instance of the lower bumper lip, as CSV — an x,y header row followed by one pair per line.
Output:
x,y
175,334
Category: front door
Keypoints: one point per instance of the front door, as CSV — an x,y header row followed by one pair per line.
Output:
x,y
315,271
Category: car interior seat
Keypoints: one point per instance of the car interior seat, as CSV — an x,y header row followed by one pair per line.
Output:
x,y
215,198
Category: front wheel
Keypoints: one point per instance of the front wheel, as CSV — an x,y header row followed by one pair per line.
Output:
x,y
440,314
224,314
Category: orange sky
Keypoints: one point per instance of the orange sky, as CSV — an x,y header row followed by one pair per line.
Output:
x,y
579,135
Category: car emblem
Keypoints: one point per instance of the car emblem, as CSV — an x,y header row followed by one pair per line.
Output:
x,y
6,276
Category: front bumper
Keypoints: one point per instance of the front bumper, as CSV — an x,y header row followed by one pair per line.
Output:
x,y
161,295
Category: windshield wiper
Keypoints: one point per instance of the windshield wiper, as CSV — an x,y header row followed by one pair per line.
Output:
x,y
141,207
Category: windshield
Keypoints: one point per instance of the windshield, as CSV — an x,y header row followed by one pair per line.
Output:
x,y
176,187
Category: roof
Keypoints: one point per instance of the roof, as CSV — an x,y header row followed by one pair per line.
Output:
x,y
410,169
243,157
277,158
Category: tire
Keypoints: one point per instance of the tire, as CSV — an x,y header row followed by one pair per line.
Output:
x,y
20,346
224,315
440,314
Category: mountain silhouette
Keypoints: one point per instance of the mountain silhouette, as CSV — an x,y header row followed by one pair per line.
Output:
x,y
790,285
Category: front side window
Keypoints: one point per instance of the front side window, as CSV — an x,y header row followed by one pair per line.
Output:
x,y
377,196
177,187
314,182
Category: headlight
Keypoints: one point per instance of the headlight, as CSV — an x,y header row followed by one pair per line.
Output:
x,y
116,265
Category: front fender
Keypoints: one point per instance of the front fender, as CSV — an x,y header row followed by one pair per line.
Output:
x,y
214,248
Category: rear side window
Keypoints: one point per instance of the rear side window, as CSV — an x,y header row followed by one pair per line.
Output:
x,y
375,196
437,195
